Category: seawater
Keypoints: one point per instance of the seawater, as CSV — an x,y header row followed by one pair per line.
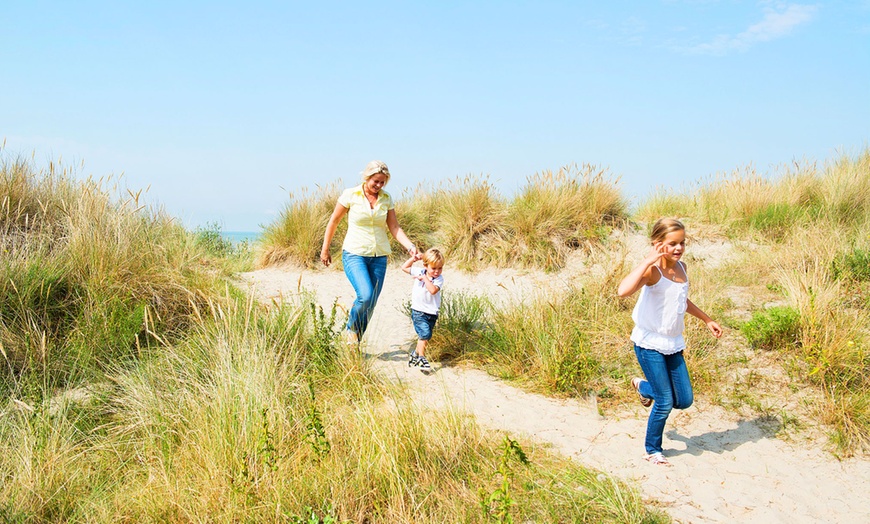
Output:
x,y
237,237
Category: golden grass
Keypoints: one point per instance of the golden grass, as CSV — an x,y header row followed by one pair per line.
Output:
x,y
473,225
297,234
90,274
243,421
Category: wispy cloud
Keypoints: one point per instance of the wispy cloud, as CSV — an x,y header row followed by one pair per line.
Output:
x,y
777,23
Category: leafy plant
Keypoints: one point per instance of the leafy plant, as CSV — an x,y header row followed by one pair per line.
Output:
x,y
315,432
497,505
209,238
774,328
854,265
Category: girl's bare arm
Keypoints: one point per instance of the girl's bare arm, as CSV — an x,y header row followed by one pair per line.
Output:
x,y
696,312
642,274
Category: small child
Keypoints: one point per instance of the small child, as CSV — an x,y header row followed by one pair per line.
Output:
x,y
425,301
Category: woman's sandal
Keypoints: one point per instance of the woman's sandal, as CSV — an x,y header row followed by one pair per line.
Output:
x,y
657,458
645,402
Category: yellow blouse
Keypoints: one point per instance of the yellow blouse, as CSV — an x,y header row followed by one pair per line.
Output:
x,y
366,226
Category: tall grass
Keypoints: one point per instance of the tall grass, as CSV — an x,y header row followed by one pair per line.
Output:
x,y
555,213
297,233
142,389
573,342
831,352
89,275
773,206
475,226
243,422
470,223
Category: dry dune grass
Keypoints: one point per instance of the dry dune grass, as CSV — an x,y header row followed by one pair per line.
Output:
x,y
141,388
554,214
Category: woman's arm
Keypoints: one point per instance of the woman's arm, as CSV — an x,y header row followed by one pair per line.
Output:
x,y
696,312
398,233
337,214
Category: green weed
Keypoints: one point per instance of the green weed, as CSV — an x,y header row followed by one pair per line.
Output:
x,y
778,327
498,504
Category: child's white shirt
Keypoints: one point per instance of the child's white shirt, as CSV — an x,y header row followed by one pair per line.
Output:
x,y
421,299
659,315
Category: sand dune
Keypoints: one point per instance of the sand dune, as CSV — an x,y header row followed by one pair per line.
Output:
x,y
725,468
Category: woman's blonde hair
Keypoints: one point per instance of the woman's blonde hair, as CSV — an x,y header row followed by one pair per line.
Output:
x,y
663,226
375,167
433,258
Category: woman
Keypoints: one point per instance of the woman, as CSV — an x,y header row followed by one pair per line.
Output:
x,y
370,213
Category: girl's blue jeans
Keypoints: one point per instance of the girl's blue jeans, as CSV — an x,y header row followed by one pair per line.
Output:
x,y
366,275
667,383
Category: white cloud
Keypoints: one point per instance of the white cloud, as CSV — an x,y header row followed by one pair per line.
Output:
x,y
776,23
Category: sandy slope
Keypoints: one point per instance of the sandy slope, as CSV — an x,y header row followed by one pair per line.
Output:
x,y
726,469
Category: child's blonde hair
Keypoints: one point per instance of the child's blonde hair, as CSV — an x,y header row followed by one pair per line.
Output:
x,y
433,258
663,226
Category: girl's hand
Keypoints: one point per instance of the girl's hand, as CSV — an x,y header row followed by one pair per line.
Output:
x,y
715,328
658,250
325,258
412,251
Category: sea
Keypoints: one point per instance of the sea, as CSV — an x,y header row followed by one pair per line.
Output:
x,y
237,237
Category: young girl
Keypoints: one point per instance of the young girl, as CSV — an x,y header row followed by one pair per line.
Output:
x,y
658,329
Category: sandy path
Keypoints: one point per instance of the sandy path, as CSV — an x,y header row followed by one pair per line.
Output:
x,y
725,469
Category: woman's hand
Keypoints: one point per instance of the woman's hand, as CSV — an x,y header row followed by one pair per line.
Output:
x,y
325,258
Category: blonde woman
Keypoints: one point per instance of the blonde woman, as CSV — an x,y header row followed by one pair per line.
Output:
x,y
371,215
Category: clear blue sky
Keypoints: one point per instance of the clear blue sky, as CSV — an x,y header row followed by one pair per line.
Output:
x,y
223,107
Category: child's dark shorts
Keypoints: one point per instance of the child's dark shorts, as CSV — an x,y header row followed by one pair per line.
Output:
x,y
424,323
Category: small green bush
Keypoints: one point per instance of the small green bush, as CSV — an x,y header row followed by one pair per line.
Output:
x,y
460,322
854,265
209,238
774,328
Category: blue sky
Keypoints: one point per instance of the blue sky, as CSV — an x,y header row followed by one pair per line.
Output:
x,y
222,108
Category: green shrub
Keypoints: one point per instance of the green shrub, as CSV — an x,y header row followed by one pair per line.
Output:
x,y
854,265
460,322
774,328
209,238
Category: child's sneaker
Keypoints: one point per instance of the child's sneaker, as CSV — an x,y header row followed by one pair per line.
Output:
x,y
413,359
423,364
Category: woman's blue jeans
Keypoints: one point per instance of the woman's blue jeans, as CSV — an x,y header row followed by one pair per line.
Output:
x,y
667,383
366,275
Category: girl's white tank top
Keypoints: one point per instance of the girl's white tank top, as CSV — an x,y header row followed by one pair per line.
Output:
x,y
659,315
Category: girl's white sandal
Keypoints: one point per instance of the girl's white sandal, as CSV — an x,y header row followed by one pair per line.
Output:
x,y
645,402
657,458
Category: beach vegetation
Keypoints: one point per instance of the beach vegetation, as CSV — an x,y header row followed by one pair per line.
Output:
x,y
551,216
139,386
296,235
